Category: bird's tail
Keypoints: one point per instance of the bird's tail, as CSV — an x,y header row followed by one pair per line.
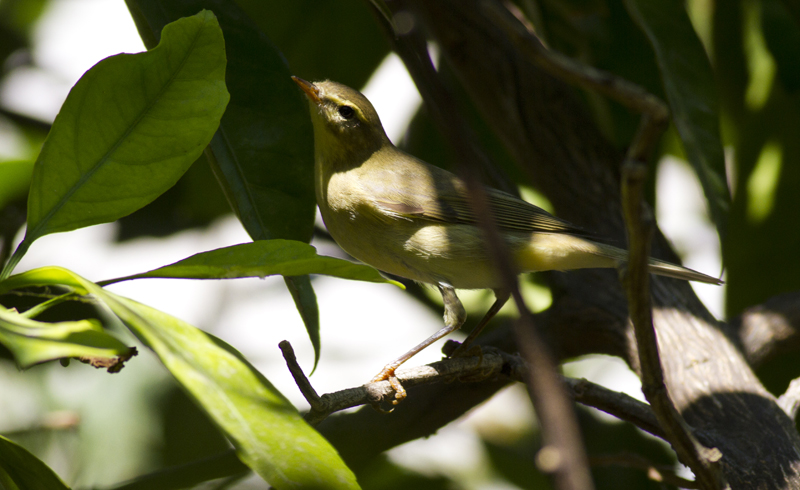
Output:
x,y
668,269
561,251
659,267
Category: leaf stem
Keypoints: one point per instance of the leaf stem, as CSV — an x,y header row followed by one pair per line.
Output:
x,y
21,250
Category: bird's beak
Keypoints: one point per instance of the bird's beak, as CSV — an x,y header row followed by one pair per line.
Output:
x,y
312,92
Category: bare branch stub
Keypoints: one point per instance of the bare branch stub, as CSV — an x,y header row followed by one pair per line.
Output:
x,y
790,400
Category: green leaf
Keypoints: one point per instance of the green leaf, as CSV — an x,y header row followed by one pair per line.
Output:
x,y
33,342
260,259
191,474
263,152
691,93
268,433
128,130
19,469
310,34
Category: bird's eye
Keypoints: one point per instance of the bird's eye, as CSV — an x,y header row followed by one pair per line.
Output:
x,y
346,111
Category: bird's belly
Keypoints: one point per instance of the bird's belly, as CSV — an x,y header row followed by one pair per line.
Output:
x,y
418,250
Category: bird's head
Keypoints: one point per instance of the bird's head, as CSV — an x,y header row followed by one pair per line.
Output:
x,y
344,120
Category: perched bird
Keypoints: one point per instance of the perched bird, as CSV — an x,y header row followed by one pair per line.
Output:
x,y
406,217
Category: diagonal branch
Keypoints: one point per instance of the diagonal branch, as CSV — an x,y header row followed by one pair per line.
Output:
x,y
639,222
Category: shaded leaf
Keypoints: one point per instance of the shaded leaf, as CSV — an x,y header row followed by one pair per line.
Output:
x,y
128,130
190,474
260,259
19,469
782,34
691,93
337,40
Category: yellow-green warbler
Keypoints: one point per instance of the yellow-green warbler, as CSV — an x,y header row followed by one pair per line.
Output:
x,y
406,217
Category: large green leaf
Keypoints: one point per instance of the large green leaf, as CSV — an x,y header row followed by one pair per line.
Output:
x,y
21,470
128,130
260,259
263,152
33,342
337,40
269,434
691,93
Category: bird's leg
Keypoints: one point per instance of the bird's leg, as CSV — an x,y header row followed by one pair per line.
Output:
x,y
501,297
454,317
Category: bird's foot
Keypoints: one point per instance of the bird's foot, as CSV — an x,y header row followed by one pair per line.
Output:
x,y
387,374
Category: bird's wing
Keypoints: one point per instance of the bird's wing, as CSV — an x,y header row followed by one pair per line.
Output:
x,y
451,203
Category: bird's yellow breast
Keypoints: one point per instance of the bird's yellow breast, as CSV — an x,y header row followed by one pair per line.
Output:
x,y
413,248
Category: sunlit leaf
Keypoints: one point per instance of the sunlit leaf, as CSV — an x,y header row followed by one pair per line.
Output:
x,y
268,433
128,130
260,259
33,342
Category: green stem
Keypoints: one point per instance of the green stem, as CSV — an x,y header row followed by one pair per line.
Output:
x,y
14,260
42,307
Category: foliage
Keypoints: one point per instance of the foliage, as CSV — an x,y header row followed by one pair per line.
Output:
x,y
213,96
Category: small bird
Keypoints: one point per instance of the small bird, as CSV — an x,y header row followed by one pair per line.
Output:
x,y
406,217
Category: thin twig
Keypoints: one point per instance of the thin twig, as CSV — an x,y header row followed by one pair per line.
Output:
x,y
491,363
528,44
615,403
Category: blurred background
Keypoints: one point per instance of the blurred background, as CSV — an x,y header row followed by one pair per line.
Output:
x,y
96,429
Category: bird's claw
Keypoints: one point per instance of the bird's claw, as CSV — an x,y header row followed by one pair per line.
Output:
x,y
387,374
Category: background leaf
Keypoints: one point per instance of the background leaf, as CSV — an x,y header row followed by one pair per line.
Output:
x,y
689,86
21,470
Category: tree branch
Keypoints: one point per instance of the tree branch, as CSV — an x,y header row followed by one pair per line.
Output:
x,y
639,223
493,364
